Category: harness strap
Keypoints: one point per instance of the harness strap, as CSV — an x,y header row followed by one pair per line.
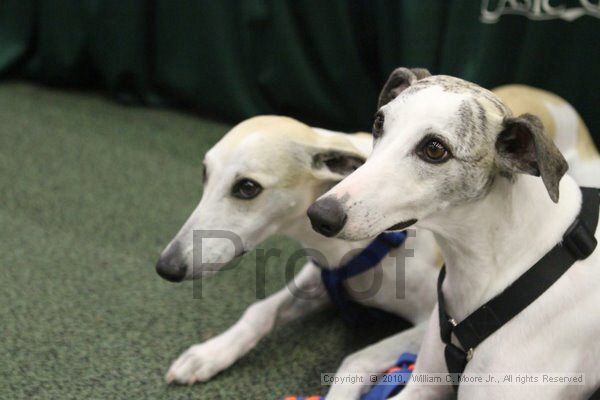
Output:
x,y
595,395
333,278
577,244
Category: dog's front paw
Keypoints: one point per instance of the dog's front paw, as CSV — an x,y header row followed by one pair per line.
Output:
x,y
199,363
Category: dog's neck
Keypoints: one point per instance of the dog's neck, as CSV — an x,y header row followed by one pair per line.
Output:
x,y
335,251
489,243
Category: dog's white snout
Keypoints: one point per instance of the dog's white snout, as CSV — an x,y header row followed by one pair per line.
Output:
x,y
354,184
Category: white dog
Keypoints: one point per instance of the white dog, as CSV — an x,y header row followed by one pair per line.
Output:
x,y
259,181
451,158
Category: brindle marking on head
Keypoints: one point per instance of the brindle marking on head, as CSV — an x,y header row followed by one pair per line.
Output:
x,y
469,126
473,111
455,85
481,117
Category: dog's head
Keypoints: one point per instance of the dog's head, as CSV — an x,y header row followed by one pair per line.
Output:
x,y
259,179
439,141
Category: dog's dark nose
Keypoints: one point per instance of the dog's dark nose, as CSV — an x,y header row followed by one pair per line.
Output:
x,y
169,270
327,216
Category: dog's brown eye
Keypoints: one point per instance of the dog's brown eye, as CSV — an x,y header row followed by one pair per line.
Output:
x,y
378,125
246,189
204,174
434,151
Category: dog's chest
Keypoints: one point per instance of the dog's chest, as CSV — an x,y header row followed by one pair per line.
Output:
x,y
377,288
406,289
404,282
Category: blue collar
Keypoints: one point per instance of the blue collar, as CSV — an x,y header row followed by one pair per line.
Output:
x,y
371,256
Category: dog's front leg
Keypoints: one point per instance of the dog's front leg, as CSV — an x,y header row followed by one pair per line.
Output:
x,y
203,361
374,359
430,360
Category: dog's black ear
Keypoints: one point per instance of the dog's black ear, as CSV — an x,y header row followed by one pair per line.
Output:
x,y
335,165
524,147
399,80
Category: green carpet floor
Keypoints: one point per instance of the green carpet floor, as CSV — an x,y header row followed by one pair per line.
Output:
x,y
90,193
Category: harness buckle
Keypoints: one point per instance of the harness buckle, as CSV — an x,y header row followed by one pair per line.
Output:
x,y
579,241
470,354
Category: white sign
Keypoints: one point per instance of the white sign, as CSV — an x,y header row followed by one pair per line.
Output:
x,y
538,10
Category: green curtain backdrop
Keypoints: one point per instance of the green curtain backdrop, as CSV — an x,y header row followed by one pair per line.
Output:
x,y
322,61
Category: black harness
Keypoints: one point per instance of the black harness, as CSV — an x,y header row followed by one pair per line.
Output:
x,y
577,244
